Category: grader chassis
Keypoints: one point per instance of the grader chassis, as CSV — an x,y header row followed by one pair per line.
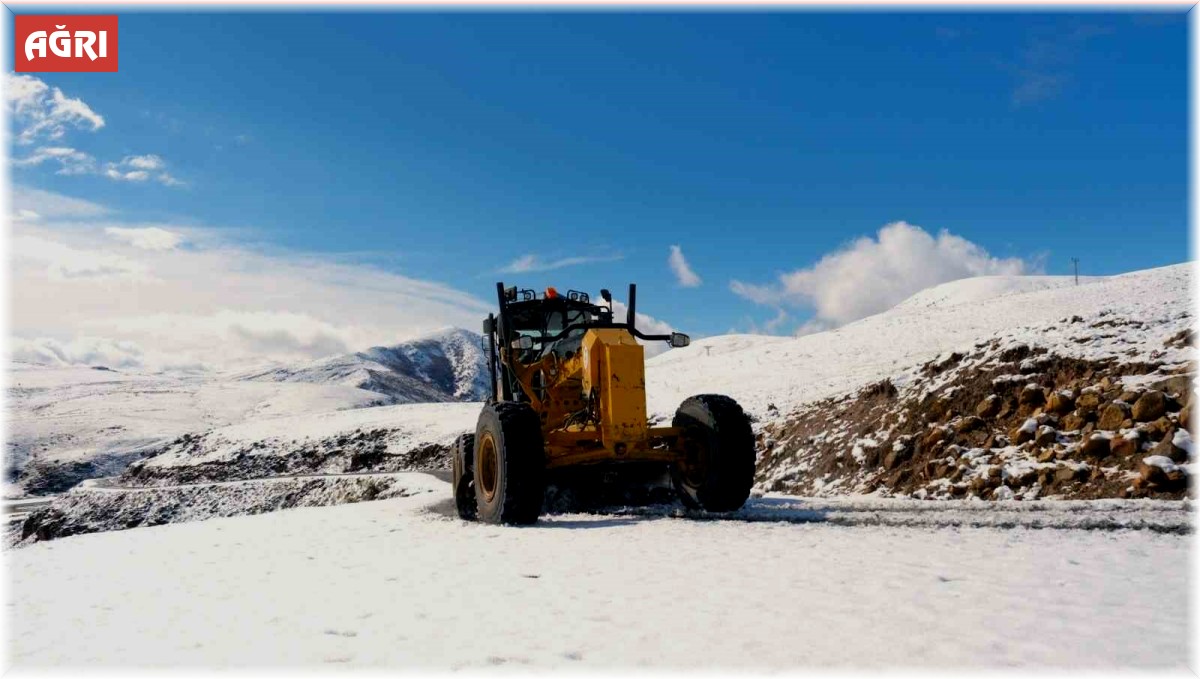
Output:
x,y
569,400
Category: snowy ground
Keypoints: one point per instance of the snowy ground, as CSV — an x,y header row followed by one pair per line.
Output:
x,y
399,583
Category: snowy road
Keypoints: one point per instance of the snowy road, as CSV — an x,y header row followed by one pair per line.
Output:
x,y
794,584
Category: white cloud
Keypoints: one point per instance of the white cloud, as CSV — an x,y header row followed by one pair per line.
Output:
x,y
131,176
772,326
140,169
70,161
871,275
759,294
53,205
43,112
277,335
146,162
78,351
532,262
679,266
648,325
146,238
63,262
215,304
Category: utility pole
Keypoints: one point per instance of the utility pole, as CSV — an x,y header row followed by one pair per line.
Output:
x,y
1075,261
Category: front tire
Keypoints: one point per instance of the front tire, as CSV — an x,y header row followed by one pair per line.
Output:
x,y
717,469
509,461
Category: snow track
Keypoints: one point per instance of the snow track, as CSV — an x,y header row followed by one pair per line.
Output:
x,y
1153,515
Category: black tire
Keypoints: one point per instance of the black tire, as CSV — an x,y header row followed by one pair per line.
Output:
x,y
718,469
463,477
509,462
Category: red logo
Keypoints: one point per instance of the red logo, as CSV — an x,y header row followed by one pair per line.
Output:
x,y
65,43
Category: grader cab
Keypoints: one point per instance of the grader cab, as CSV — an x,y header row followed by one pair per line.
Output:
x,y
569,395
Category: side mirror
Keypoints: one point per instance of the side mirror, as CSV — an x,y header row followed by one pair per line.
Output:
x,y
489,325
606,296
522,342
679,340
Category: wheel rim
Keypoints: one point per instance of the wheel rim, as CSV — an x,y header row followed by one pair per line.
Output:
x,y
487,467
691,467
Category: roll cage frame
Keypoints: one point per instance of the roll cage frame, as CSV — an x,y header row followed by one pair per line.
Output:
x,y
500,333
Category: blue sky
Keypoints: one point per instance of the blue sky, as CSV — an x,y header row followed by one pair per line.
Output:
x,y
445,147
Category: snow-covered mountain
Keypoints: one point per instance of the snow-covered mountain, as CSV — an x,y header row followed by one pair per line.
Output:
x,y
447,365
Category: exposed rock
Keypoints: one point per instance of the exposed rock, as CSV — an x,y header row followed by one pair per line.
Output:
x,y
1185,418
1060,402
1129,395
1024,478
1047,455
1006,408
1064,474
1087,402
1031,396
1073,422
1096,446
1159,428
1113,416
968,423
1045,436
1149,406
897,456
1025,432
1160,472
934,437
1167,448
1179,385
1124,445
988,407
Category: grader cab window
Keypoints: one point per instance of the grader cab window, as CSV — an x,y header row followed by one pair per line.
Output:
x,y
540,324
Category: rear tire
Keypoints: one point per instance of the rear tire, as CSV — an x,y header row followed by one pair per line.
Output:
x,y
718,469
463,477
509,461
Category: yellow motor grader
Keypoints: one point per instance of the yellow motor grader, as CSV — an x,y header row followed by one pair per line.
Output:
x,y
569,396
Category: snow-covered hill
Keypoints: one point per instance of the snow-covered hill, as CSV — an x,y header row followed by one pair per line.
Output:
x,y
70,423
986,288
785,372
448,365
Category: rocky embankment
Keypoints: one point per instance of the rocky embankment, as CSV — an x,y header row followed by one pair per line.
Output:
x,y
1005,422
360,450
91,509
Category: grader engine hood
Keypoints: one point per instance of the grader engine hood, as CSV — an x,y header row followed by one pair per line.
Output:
x,y
614,369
